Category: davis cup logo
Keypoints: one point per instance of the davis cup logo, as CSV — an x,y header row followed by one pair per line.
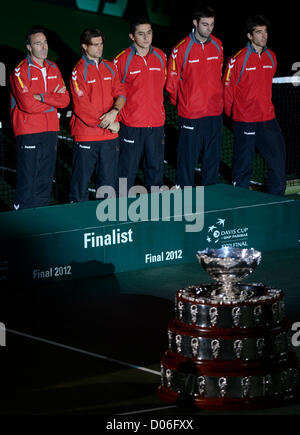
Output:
x,y
214,233
220,235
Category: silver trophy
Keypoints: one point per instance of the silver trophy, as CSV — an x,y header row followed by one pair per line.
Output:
x,y
228,266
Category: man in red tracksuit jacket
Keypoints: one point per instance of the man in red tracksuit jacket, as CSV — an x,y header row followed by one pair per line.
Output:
x,y
142,69
37,91
194,83
248,99
98,96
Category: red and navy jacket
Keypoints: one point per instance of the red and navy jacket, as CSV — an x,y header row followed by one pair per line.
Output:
x,y
248,85
144,79
28,114
94,88
194,80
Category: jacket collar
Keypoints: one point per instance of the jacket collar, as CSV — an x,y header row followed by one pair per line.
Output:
x,y
134,50
31,62
252,49
196,41
90,61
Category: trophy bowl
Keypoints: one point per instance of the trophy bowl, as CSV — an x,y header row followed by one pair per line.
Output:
x,y
229,266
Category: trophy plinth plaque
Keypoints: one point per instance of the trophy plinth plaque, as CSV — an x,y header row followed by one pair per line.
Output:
x,y
229,344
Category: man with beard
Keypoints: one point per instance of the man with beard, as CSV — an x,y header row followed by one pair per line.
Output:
x,y
248,99
38,91
98,97
194,83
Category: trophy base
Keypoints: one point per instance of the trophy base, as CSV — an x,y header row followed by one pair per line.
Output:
x,y
203,306
229,354
223,404
228,386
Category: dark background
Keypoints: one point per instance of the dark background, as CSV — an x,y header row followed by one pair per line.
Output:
x,y
231,16
64,23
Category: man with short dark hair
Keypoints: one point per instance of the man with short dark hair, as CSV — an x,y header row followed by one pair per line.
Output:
x,y
98,97
142,69
248,99
38,91
194,84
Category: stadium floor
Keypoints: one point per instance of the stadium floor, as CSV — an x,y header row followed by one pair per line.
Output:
x,y
94,346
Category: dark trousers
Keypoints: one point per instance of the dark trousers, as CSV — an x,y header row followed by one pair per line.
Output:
x,y
268,139
137,143
36,159
101,156
197,137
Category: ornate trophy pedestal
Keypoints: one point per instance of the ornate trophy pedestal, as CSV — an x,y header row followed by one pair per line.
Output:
x,y
229,350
